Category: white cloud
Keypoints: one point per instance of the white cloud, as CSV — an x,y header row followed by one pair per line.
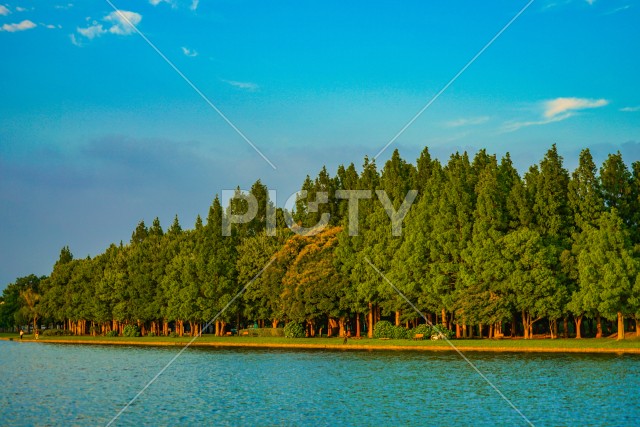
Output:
x,y
243,85
630,109
470,121
92,32
24,25
4,11
157,2
557,110
123,22
561,106
189,52
591,2
194,4
21,9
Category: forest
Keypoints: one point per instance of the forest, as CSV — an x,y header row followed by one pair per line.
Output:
x,y
484,251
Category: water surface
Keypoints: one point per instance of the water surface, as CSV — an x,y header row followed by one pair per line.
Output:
x,y
55,384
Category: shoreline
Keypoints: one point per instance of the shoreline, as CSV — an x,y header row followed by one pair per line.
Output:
x,y
340,347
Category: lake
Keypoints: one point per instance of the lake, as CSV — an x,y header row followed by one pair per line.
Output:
x,y
55,384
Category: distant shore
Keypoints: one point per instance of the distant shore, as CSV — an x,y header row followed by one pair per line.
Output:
x,y
584,346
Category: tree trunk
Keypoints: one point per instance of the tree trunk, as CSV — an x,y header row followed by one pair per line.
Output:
x,y
444,318
620,326
397,317
637,327
370,322
513,325
457,330
525,325
274,323
342,332
578,320
598,326
357,325
565,327
480,330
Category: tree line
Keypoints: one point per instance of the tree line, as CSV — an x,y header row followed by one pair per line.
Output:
x,y
484,251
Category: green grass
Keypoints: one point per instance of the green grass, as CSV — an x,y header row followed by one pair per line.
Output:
x,y
557,344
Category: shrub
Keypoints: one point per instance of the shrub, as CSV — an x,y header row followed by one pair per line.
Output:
x,y
55,332
262,332
383,329
151,334
130,331
400,333
173,335
294,330
439,329
113,333
423,329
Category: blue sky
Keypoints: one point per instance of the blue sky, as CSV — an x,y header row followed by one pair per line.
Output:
x,y
98,131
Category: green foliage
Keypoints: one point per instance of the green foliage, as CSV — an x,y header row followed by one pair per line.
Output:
x,y
423,329
383,329
151,334
56,332
294,330
400,333
480,244
264,332
113,333
439,330
130,331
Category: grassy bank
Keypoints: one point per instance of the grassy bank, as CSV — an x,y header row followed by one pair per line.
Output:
x,y
587,345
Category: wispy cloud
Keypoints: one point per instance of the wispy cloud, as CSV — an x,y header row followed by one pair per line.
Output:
x,y
469,121
248,86
514,126
22,26
119,22
561,106
74,40
21,9
188,52
194,4
630,109
4,11
556,110
591,2
618,9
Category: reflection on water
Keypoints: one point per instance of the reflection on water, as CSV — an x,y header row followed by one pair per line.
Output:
x,y
49,384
